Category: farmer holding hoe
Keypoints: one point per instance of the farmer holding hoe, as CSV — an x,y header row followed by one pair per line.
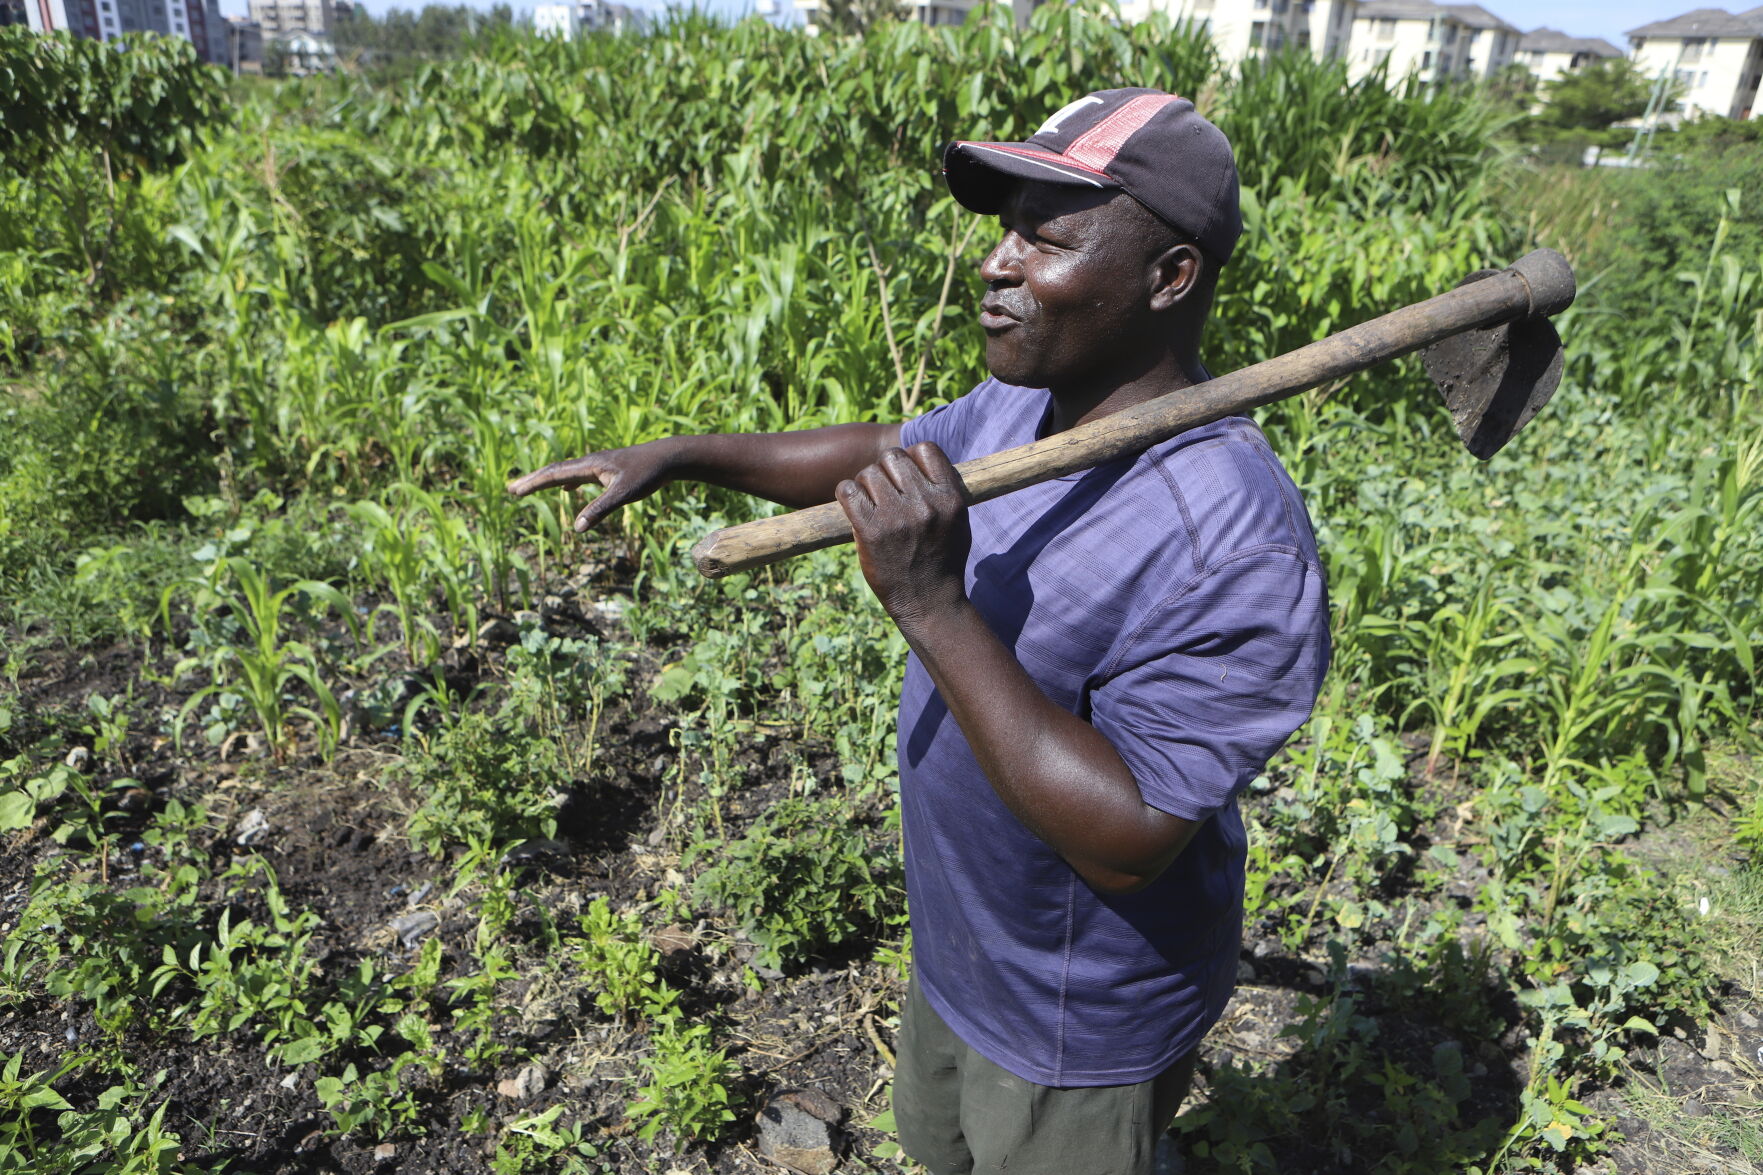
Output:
x,y
1100,663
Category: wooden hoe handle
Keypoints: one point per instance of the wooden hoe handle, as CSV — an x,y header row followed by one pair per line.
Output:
x,y
1538,284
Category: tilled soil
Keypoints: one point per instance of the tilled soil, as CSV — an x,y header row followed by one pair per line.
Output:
x,y
333,832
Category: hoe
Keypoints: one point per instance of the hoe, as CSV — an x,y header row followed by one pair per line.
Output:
x,y
1488,346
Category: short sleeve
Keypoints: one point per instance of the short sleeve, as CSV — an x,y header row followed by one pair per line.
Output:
x,y
1215,680
951,426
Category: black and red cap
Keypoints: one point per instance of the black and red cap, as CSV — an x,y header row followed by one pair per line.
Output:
x,y
1154,146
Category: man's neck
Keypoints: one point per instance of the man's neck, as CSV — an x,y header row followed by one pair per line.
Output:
x,y
1080,403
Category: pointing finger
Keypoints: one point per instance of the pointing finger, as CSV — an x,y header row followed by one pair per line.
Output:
x,y
559,473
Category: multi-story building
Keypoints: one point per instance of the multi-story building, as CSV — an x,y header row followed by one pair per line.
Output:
x,y
1403,36
1331,26
244,44
1549,53
1240,28
279,18
564,21
555,20
1714,57
1489,42
1431,41
196,21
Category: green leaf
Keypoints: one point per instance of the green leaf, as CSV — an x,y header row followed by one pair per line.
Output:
x,y
16,811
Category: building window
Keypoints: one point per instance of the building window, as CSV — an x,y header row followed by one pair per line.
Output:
x,y
1386,29
1257,34
1426,60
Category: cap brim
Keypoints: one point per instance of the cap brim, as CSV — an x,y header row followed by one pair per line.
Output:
x,y
980,175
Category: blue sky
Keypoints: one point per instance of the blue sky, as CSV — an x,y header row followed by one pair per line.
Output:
x,y
1582,18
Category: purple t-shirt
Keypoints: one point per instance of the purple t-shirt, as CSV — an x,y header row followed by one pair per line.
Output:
x,y
1175,601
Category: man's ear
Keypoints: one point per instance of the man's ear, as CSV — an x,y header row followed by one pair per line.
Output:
x,y
1175,274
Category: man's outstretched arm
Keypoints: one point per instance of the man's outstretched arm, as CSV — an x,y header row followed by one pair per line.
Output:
x,y
791,468
1059,775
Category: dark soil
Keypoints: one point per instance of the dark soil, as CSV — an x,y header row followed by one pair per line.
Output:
x,y
334,835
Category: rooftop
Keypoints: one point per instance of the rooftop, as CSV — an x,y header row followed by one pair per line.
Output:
x,y
1477,17
1472,15
1400,10
1556,41
1705,22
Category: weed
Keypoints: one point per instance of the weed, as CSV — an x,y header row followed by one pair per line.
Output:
x,y
485,780
616,957
802,879
683,1087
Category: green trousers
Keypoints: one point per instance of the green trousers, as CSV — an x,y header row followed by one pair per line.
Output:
x,y
957,1112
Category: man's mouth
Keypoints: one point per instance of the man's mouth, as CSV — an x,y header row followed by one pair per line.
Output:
x,y
993,316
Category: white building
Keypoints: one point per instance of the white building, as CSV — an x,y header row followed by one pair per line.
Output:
x,y
196,21
1433,42
1714,56
1489,42
279,18
564,21
1549,53
1240,28
1331,26
1403,36
555,20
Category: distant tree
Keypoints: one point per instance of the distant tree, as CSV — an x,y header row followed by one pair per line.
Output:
x,y
1513,88
402,39
1592,98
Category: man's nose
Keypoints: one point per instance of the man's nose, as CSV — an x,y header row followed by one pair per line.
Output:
x,y
1000,264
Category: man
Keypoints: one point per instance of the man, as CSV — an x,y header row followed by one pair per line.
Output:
x,y
1099,663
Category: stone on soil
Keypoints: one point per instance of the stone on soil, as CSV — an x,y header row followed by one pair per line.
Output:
x,y
524,1085
798,1128
253,827
411,928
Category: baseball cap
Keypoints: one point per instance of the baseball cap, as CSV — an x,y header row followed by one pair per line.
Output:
x,y
1154,146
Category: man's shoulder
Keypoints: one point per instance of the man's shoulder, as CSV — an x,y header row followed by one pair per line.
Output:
x,y
1232,492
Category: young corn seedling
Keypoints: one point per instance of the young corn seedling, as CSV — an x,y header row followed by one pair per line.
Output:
x,y
264,666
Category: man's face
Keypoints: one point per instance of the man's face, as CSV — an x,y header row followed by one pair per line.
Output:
x,y
1067,288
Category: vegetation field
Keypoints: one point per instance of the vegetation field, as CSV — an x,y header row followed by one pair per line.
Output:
x,y
356,816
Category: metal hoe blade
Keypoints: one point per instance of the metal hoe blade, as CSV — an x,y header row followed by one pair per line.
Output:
x,y
1496,379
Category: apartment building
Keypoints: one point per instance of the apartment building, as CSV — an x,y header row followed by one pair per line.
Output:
x,y
564,21
1331,26
1240,28
1715,57
1489,43
196,21
280,18
1549,53
1431,41
244,44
